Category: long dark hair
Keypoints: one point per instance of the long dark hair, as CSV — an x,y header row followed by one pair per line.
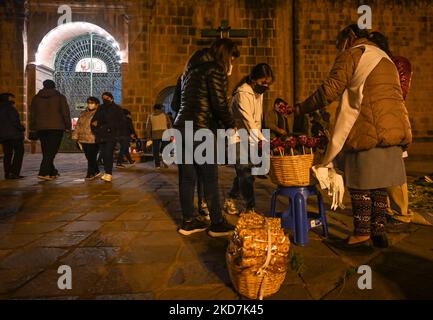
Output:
x,y
381,41
261,70
94,100
223,50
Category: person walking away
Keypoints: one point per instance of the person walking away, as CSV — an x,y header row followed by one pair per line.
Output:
x,y
124,141
156,124
247,106
203,101
107,124
377,134
50,118
11,137
84,136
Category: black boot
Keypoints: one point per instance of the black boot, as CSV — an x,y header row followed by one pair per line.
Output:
x,y
380,240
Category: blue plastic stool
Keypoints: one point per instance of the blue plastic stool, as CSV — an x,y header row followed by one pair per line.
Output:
x,y
296,216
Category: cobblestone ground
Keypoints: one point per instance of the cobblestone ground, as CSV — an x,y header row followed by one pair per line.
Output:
x,y
121,242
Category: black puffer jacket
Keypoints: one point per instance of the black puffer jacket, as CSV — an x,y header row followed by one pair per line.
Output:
x,y
10,124
110,123
201,95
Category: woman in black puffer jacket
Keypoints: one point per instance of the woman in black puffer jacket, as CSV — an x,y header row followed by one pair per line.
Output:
x,y
108,125
201,97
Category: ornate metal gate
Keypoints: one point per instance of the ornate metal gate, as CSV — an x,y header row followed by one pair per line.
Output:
x,y
87,65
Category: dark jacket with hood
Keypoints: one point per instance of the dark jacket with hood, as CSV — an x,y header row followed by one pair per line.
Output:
x,y
129,126
201,94
49,111
111,123
10,125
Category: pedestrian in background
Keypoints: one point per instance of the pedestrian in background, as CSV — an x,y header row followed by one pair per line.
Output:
x,y
125,139
84,136
157,123
107,124
50,118
11,137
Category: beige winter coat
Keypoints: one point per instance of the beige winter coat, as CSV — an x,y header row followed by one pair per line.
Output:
x,y
82,132
383,120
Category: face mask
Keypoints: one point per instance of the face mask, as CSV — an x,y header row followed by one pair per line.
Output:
x,y
106,101
259,89
229,73
91,106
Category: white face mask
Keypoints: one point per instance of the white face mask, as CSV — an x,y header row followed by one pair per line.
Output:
x,y
229,73
91,106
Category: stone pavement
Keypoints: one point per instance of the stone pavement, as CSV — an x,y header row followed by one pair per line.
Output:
x,y
121,242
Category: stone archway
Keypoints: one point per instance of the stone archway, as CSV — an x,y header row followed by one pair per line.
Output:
x,y
165,97
87,65
80,67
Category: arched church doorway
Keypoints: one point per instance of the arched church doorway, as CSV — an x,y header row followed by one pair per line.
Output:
x,y
87,66
165,98
84,60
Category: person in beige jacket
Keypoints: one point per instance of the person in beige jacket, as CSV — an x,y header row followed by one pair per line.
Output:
x,y
156,124
374,147
84,136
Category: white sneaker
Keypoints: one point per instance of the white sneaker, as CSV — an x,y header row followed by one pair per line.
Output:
x,y
230,207
107,177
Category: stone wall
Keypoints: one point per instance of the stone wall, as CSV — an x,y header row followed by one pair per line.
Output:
x,y
12,51
297,38
407,24
164,34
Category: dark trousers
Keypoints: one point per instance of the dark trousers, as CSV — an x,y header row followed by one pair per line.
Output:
x,y
50,144
200,189
91,153
187,182
156,151
107,152
13,156
369,211
243,183
124,150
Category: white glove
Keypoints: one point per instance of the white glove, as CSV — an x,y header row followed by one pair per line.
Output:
x,y
322,174
149,143
336,189
329,179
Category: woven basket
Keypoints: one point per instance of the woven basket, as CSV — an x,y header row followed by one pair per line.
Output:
x,y
291,171
251,285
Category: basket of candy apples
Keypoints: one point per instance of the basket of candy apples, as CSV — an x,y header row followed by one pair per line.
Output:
x,y
292,159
